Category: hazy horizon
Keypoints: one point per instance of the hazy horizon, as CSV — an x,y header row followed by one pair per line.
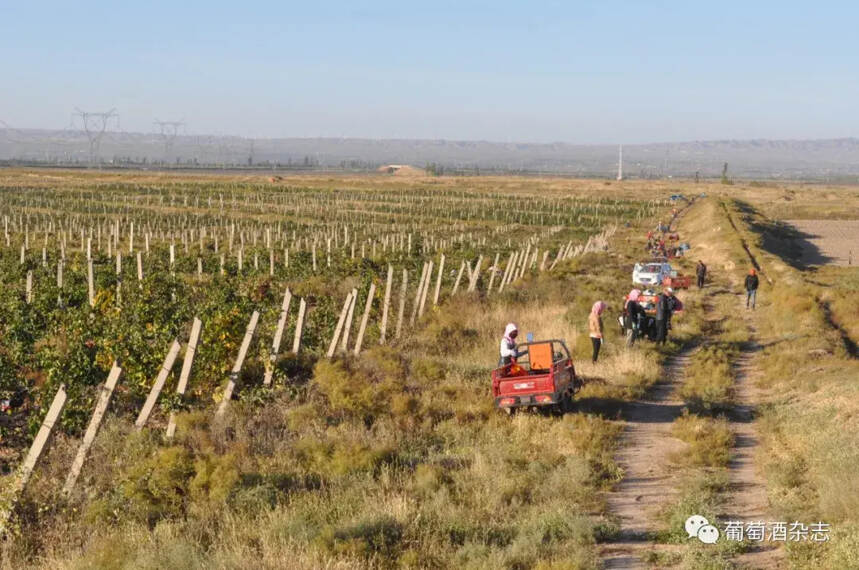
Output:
x,y
191,135
582,73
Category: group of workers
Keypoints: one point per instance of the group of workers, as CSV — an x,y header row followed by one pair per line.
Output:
x,y
656,242
666,304
637,318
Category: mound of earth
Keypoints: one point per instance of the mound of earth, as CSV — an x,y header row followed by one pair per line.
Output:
x,y
401,170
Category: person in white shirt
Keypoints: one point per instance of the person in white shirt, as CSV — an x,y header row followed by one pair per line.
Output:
x,y
508,345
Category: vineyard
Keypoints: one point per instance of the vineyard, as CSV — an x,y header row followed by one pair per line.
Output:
x,y
102,275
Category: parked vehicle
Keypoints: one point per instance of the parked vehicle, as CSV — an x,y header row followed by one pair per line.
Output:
x,y
542,378
677,281
650,273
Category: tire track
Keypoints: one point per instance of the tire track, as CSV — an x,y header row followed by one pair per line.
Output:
x,y
645,447
747,500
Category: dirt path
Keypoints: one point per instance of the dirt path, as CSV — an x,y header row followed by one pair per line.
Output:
x,y
645,447
747,497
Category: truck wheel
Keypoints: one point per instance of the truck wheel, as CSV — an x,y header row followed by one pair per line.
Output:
x,y
566,405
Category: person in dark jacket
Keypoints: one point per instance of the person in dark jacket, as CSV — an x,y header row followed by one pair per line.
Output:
x,y
751,288
633,316
701,272
665,304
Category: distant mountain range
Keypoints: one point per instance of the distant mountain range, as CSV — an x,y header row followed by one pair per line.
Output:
x,y
829,159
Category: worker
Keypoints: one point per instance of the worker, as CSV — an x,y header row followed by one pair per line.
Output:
x,y
701,272
508,345
751,288
665,304
634,315
596,329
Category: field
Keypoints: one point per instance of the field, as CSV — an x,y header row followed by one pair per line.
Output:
x,y
365,436
829,241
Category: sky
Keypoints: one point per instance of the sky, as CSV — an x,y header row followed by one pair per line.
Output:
x,y
581,72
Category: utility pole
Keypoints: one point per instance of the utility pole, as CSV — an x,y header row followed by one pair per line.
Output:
x,y
94,126
620,164
665,164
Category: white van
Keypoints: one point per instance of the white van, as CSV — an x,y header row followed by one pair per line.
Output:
x,y
651,273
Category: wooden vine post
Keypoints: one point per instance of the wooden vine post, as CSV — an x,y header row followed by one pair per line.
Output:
x,y
237,367
425,289
493,271
344,343
333,345
383,328
92,429
29,287
402,309
278,335
367,306
462,267
25,471
90,284
299,325
472,285
185,374
418,295
146,411
438,281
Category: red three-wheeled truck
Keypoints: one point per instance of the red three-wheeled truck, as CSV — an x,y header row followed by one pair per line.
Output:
x,y
542,378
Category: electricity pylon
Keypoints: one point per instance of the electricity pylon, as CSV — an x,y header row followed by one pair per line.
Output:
x,y
95,125
169,132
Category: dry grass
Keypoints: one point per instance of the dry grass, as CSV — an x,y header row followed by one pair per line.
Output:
x,y
709,440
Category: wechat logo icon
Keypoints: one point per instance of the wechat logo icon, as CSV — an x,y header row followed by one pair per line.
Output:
x,y
700,528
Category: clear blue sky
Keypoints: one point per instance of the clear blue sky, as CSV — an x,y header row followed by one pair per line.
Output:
x,y
584,72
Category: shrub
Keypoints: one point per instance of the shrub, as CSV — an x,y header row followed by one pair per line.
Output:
x,y
157,487
215,479
371,536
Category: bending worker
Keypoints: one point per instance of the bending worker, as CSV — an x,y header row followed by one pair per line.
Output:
x,y
508,345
